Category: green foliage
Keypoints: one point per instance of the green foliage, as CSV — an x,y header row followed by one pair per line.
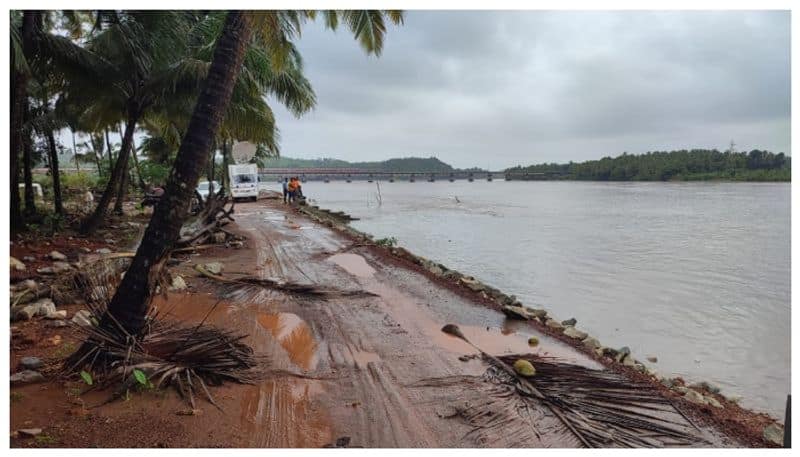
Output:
x,y
689,165
154,173
44,439
141,378
64,350
87,378
387,242
80,181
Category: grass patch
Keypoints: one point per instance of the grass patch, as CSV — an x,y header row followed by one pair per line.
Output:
x,y
16,396
45,440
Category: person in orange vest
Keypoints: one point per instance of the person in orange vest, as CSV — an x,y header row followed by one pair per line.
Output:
x,y
295,189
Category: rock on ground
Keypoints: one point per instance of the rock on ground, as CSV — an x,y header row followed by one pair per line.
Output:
x,y
572,332
713,401
16,264
31,363
554,324
29,431
103,251
26,377
61,267
55,255
774,434
695,397
82,318
214,268
591,342
569,322
177,283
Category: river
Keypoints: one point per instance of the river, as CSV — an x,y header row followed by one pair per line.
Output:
x,y
695,274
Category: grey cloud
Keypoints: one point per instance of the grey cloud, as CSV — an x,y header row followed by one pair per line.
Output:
x,y
504,88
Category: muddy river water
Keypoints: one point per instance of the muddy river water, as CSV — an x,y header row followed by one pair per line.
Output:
x,y
694,274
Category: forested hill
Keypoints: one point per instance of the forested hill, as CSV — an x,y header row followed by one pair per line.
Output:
x,y
695,164
407,164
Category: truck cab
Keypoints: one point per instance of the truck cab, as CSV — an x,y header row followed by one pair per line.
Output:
x,y
243,181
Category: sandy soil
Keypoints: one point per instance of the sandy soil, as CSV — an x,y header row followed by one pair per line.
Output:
x,y
366,356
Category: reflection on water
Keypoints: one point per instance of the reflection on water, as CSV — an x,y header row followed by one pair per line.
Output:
x,y
294,335
696,274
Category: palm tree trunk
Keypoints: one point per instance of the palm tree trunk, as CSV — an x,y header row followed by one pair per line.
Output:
x,y
140,180
94,153
110,154
30,199
53,153
122,190
130,302
19,94
225,162
75,151
91,223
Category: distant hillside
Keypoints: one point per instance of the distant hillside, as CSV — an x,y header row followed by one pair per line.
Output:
x,y
403,165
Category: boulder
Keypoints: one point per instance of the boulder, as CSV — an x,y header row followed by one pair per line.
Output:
x,y
30,284
103,251
774,434
667,382
61,267
472,283
574,333
30,432
44,307
554,324
177,283
652,359
629,361
524,368
29,258
695,397
23,312
215,268
26,377
435,269
569,322
516,312
56,324
704,385
591,342
45,271
56,315
540,313
713,401
55,255
680,389
30,363
82,318
16,264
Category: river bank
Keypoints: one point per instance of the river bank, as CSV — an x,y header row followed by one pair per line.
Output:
x,y
366,355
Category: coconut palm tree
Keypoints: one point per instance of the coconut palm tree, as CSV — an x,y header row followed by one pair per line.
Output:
x,y
273,30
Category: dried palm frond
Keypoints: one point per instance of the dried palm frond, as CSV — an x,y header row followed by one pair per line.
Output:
x,y
599,408
188,358
246,285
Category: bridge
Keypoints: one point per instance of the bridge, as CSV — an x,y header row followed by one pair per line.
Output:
x,y
357,174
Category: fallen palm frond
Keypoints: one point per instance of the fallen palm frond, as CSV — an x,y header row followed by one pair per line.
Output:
x,y
598,407
165,354
252,284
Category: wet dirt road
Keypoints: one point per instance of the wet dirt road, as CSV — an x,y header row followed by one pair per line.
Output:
x,y
369,354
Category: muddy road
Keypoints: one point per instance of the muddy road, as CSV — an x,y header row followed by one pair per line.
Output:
x,y
369,356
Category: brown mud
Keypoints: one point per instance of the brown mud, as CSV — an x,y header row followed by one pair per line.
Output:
x,y
362,358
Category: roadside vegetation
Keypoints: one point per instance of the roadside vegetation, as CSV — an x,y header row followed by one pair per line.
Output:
x,y
683,165
192,83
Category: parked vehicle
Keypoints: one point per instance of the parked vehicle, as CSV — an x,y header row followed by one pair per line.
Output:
x,y
205,188
244,181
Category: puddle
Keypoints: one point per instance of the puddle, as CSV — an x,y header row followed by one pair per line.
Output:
x,y
511,338
294,335
353,264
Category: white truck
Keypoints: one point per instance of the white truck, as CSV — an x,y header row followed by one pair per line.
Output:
x,y
243,181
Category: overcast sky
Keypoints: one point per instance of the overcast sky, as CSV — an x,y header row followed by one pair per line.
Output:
x,y
497,89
